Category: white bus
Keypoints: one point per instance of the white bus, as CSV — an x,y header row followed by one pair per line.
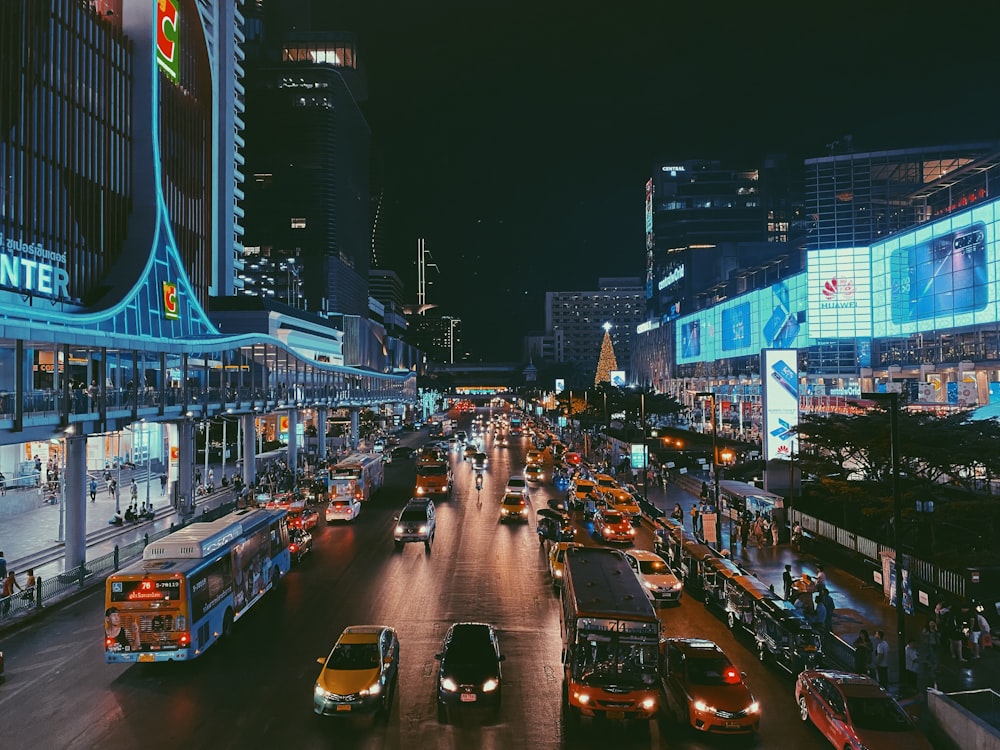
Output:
x,y
358,475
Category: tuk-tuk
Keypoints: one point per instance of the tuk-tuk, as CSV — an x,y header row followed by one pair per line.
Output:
x,y
693,556
744,595
661,535
784,635
553,526
715,576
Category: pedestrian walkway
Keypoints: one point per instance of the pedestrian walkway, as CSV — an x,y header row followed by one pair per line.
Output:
x,y
23,536
859,604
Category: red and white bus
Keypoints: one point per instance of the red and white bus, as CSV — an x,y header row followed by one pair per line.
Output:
x,y
358,475
610,635
192,585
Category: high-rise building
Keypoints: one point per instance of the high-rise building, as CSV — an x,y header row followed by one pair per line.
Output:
x,y
575,320
386,288
308,219
224,26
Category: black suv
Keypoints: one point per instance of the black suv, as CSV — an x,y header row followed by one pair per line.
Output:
x,y
470,668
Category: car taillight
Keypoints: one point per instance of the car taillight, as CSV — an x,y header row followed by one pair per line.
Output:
x,y
185,639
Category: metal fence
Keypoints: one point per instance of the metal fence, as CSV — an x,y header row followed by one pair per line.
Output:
x,y
53,588
923,571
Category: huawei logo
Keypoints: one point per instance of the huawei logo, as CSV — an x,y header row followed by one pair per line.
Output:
x,y
842,288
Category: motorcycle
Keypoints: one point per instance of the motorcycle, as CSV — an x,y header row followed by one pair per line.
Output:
x,y
797,538
479,480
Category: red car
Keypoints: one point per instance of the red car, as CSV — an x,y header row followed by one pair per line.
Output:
x,y
301,517
853,711
610,526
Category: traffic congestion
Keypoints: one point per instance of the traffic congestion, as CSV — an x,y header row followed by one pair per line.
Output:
x,y
494,610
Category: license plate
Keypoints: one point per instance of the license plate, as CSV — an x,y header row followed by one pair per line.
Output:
x,y
343,707
732,725
147,657
616,715
468,697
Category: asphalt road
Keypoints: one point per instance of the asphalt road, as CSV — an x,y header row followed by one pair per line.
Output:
x,y
256,690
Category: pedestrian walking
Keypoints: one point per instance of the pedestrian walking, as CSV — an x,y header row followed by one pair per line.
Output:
x,y
694,518
930,645
864,653
819,612
93,490
830,608
908,683
29,585
134,491
745,534
112,485
820,577
163,484
978,627
3,484
774,534
211,478
786,576
3,566
197,476
954,634
9,584
881,658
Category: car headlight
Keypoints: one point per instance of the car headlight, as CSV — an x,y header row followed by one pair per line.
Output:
x,y
631,531
703,707
649,585
320,692
422,529
753,708
648,704
606,531
490,685
677,586
558,572
420,490
584,698
373,690
448,684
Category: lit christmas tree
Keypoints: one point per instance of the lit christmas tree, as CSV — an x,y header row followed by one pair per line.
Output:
x,y
607,362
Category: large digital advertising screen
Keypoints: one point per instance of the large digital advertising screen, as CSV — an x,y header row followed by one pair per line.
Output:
x,y
937,276
780,381
765,318
840,293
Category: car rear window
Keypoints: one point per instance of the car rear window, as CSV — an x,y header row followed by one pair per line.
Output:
x,y
414,515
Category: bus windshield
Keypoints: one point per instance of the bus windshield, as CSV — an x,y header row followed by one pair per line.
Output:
x,y
613,661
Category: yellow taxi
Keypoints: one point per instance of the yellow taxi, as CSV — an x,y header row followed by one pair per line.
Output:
x,y
605,483
621,501
359,675
534,458
557,557
513,507
579,491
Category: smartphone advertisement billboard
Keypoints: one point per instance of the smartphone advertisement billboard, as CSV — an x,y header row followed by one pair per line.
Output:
x,y
780,381
765,318
937,276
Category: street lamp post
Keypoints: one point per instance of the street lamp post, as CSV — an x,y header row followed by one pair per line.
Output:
x,y
892,399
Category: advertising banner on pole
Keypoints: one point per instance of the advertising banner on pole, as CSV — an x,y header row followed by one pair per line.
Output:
x,y
780,381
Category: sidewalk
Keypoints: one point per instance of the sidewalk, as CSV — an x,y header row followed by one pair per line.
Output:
x,y
24,535
858,603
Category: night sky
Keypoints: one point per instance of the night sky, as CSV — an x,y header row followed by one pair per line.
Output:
x,y
517,137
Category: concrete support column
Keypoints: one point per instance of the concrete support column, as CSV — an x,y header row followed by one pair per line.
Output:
x,y
249,448
355,426
293,439
75,498
321,433
185,465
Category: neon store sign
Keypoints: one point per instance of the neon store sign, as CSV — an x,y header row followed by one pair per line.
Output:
x,y
32,275
167,38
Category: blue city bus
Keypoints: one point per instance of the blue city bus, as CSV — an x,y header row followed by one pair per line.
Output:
x,y
192,585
